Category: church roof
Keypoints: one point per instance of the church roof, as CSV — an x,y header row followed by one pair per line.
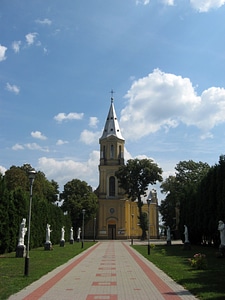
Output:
x,y
111,124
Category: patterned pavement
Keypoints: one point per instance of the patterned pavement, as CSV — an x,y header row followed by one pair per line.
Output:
x,y
110,270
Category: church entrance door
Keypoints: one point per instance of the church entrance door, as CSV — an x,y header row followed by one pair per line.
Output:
x,y
111,232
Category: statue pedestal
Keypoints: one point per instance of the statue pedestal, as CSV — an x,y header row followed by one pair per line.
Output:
x,y
21,251
48,246
187,246
62,243
71,241
222,250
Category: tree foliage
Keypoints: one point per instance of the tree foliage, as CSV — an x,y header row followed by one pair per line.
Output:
x,y
134,178
14,206
211,202
78,195
181,192
167,207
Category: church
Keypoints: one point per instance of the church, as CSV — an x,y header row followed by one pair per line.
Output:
x,y
117,217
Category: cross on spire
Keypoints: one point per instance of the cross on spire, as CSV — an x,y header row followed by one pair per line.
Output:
x,y
112,92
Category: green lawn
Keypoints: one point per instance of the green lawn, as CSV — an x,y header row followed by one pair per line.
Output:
x,y
173,260
12,277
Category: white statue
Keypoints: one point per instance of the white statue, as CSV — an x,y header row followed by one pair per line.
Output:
x,y
168,235
22,232
186,234
71,233
78,234
63,234
48,232
221,228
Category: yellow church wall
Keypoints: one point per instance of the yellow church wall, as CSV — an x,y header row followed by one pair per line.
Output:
x,y
111,217
153,219
132,225
119,219
124,219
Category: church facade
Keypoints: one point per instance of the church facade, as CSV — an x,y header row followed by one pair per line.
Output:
x,y
117,216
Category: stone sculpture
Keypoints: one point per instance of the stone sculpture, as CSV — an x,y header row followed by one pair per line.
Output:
x,y
21,248
221,228
78,234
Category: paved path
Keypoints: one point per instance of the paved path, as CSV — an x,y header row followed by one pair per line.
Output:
x,y
110,270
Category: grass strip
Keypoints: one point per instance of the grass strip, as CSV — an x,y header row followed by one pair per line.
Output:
x,y
206,284
12,277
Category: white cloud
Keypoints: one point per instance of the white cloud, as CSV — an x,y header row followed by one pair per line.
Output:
x,y
34,146
199,5
127,154
211,112
17,147
93,121
16,46
38,135
29,146
162,101
168,2
89,137
71,116
61,142
144,2
207,135
30,38
206,5
12,88
2,170
44,22
65,170
2,52
45,50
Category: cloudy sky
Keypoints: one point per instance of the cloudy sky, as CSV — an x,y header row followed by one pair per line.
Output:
x,y
59,60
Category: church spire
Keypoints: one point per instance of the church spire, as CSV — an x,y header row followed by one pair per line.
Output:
x,y
111,124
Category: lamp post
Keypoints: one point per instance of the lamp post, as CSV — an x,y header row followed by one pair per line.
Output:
x,y
148,202
94,227
26,267
132,230
82,244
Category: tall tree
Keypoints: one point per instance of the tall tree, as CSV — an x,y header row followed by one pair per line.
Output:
x,y
16,178
181,192
14,205
211,204
78,195
134,178
168,206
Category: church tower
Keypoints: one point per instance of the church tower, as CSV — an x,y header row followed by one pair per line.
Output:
x,y
111,156
111,197
117,215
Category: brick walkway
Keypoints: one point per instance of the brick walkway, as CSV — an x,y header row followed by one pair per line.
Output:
x,y
110,270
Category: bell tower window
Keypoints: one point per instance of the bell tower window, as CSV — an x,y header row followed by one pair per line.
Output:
x,y
120,152
111,186
111,151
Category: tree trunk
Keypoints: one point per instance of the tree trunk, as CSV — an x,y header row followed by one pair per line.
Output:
x,y
143,236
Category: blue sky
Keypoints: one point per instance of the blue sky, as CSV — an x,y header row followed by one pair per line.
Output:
x,y
59,60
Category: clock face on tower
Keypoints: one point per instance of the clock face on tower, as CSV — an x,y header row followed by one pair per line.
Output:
x,y
112,210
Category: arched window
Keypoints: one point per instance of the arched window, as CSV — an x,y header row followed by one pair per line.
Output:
x,y
120,152
112,186
111,151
